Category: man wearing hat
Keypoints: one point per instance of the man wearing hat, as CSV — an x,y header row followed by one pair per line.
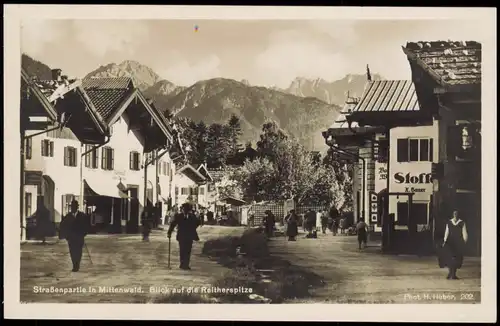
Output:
x,y
186,223
74,227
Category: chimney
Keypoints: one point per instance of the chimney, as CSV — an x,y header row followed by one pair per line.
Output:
x,y
368,74
56,74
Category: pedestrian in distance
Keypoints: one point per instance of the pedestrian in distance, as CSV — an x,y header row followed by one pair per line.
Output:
x,y
269,223
361,230
202,218
74,227
310,219
342,225
292,225
186,223
455,239
324,222
147,218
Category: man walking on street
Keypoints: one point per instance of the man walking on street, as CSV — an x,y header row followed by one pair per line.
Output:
x,y
186,224
74,227
147,218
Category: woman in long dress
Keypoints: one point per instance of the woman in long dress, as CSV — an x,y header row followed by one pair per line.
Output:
x,y
455,238
292,228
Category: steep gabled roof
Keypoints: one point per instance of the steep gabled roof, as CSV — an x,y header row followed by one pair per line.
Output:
x,y
204,171
112,96
448,62
63,99
108,94
192,173
39,95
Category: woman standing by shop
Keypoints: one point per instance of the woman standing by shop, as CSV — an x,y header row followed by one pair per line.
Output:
x,y
455,238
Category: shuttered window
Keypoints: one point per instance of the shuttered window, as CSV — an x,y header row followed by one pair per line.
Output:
x,y
27,204
28,148
107,158
92,157
70,156
47,148
134,161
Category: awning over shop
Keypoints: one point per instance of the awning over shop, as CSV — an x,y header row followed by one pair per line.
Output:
x,y
101,188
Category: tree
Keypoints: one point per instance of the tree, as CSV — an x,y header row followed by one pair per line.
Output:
x,y
342,167
255,179
234,125
270,138
217,145
200,143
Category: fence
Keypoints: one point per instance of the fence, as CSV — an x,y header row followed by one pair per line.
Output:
x,y
278,210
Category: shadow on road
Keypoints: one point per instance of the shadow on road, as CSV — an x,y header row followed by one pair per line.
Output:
x,y
251,266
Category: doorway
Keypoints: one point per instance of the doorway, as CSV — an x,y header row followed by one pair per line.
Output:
x,y
133,221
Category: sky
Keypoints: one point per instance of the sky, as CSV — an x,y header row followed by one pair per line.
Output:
x,y
264,52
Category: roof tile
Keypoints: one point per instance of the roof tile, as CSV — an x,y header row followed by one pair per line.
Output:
x,y
107,94
453,62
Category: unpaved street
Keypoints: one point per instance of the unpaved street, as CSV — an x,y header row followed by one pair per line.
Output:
x,y
369,277
120,261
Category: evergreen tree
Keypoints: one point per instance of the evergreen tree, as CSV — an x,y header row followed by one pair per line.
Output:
x,y
234,125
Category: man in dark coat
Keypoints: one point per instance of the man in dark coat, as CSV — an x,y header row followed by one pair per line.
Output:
x,y
310,218
210,217
74,227
186,223
147,218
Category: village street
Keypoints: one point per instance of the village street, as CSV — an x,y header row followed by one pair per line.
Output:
x,y
351,276
120,261
348,275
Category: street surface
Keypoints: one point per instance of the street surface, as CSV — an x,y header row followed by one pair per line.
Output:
x,y
120,261
353,276
349,275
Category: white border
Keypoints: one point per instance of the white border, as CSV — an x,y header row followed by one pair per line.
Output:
x,y
484,312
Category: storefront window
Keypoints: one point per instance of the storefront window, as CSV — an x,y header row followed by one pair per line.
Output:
x,y
419,213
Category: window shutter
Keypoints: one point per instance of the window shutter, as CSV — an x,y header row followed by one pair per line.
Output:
x,y
131,165
88,156
402,150
103,159
51,148
431,150
65,156
28,148
43,148
95,159
112,165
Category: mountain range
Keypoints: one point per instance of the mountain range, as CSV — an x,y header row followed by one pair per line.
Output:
x,y
303,110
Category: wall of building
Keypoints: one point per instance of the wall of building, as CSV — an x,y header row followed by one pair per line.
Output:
x,y
67,179
183,181
412,177
166,172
